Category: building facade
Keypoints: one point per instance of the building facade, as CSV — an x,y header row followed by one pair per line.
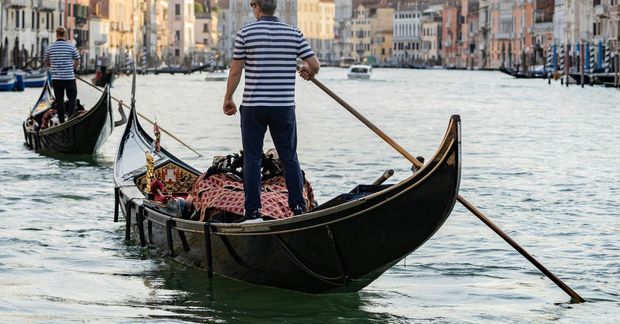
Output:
x,y
407,35
181,36
342,29
27,28
451,34
431,36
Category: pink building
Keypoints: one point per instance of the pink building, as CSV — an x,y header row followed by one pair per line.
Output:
x,y
451,34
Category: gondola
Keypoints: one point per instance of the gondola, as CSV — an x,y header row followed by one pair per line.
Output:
x,y
83,134
102,79
341,246
523,74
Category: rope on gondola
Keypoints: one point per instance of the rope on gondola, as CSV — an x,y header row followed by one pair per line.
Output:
x,y
339,280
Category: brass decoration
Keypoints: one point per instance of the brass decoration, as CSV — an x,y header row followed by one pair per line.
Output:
x,y
150,173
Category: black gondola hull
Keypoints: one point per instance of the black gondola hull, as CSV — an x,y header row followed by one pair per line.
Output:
x,y
342,248
84,134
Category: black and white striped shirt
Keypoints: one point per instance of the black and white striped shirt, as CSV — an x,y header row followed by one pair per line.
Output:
x,y
61,55
270,49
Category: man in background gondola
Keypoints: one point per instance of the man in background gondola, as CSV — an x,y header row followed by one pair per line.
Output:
x,y
63,58
268,50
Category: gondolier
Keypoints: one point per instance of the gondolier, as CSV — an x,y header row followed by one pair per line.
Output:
x,y
268,50
63,58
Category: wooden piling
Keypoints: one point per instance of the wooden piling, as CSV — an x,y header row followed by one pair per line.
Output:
x,y
582,63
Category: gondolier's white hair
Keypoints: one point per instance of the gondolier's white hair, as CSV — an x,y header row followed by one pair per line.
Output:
x,y
268,6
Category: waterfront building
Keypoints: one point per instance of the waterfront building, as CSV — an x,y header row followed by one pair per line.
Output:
x,y
431,35
342,29
203,29
325,45
542,30
468,51
522,40
26,30
451,33
99,25
503,31
181,37
606,23
407,32
485,33
76,15
372,28
315,19
152,40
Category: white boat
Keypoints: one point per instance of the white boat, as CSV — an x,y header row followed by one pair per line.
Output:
x,y
360,72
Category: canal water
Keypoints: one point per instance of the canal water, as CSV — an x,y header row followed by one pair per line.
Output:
x,y
540,160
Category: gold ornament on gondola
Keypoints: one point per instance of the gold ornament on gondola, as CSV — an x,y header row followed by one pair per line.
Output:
x,y
150,170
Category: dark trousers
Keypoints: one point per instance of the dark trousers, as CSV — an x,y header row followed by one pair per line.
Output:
x,y
283,130
60,87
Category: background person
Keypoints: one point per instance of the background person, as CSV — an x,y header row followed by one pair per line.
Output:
x,y
63,58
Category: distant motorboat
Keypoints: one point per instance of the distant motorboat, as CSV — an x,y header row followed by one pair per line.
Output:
x,y
359,72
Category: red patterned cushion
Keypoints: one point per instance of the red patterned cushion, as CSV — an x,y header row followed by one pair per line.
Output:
x,y
224,192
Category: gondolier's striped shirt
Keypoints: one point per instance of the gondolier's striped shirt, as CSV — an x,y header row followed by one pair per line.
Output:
x,y
61,55
270,49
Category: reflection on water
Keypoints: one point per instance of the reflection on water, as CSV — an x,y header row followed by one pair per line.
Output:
x,y
537,159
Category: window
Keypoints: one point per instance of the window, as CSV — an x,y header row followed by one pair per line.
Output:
x,y
17,19
177,52
205,28
177,10
205,41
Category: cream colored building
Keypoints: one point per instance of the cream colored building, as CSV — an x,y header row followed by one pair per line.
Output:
x,y
371,29
316,21
325,47
181,36
431,36
153,34
122,38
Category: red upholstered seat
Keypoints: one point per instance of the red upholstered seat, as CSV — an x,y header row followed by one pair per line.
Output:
x,y
224,192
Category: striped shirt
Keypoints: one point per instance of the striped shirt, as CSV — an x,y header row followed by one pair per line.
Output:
x,y
270,49
61,55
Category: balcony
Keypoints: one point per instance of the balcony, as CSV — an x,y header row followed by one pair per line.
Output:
x,y
614,11
101,39
125,27
17,4
44,5
502,36
601,11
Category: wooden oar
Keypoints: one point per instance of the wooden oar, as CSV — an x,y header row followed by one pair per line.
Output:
x,y
144,117
575,298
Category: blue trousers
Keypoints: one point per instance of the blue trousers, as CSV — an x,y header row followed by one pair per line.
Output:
x,y
283,130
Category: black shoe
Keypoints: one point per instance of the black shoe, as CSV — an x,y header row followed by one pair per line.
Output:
x,y
297,210
251,217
